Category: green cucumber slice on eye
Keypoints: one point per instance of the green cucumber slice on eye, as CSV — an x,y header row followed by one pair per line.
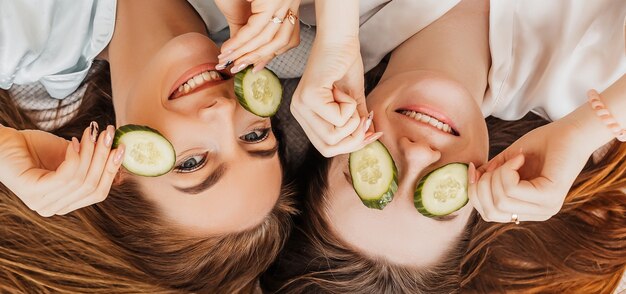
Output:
x,y
374,175
442,191
147,153
259,93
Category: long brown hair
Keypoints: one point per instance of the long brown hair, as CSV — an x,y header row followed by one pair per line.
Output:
x,y
582,248
122,245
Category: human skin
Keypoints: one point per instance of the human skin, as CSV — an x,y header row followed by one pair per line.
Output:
x,y
156,43
423,74
443,70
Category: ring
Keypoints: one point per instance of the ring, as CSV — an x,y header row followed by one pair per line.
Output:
x,y
292,17
276,20
515,219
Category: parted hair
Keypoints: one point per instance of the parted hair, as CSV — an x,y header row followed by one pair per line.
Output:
x,y
123,244
582,249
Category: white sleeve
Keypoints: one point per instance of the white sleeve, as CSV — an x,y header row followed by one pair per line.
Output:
x,y
53,41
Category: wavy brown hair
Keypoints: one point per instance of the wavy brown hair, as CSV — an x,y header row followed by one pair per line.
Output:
x,y
582,249
123,245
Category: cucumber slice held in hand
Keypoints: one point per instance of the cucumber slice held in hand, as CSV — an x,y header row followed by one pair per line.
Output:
x,y
147,153
374,175
442,191
259,93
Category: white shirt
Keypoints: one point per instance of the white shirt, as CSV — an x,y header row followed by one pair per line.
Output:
x,y
52,41
55,41
547,54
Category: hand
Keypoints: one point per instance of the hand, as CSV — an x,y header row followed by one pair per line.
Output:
x,y
255,39
329,102
53,176
531,178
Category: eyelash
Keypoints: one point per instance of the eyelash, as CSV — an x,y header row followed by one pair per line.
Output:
x,y
265,133
181,169
200,164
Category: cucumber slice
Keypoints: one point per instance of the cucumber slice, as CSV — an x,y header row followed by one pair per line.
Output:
x,y
374,175
148,153
259,93
442,191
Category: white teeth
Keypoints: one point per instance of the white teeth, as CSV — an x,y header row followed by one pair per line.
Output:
x,y
206,76
198,80
429,120
191,83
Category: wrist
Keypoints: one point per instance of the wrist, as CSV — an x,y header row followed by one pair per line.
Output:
x,y
337,19
584,129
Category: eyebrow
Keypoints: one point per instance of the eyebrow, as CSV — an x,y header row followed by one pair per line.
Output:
x,y
209,182
264,153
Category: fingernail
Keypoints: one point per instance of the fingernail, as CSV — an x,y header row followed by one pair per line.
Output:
x,y
228,63
373,137
108,139
76,144
471,173
239,68
220,67
119,154
368,122
93,131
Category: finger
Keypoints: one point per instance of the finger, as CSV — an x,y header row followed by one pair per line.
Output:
x,y
329,133
87,147
472,190
503,202
287,37
485,197
258,31
295,41
345,146
114,162
336,111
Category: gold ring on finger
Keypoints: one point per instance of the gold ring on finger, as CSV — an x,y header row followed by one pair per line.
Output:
x,y
291,17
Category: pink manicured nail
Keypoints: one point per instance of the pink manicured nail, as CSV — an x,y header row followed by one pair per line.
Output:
x,y
368,122
76,144
108,139
373,137
239,68
119,154
93,131
471,173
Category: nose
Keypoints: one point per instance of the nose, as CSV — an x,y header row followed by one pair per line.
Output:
x,y
217,110
416,157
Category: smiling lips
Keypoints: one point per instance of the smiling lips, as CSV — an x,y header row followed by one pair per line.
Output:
x,y
427,119
196,82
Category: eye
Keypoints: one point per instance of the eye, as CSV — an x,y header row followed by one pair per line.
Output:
x,y
191,164
256,136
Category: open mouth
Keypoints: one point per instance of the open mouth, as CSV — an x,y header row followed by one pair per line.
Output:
x,y
439,123
196,79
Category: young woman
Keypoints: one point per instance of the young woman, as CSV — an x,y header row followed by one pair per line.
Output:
x,y
438,78
212,224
